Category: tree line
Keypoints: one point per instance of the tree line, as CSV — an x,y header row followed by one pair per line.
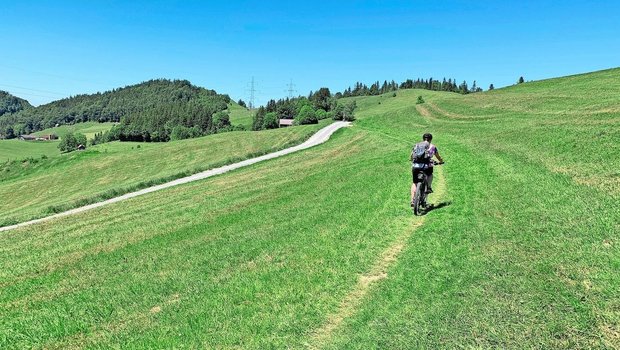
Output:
x,y
303,110
377,88
145,112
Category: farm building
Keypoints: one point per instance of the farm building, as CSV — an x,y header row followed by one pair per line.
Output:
x,y
286,122
47,137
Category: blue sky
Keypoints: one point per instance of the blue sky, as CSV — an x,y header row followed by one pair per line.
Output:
x,y
53,49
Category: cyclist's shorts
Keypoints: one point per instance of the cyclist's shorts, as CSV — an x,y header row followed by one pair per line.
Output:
x,y
417,174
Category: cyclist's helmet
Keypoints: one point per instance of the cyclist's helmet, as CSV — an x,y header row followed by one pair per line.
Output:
x,y
427,137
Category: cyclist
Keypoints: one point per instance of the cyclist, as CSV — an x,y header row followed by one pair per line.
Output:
x,y
423,163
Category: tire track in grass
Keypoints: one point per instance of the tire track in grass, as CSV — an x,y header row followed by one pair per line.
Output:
x,y
379,271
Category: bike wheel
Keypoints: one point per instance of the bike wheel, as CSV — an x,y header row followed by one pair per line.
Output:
x,y
417,200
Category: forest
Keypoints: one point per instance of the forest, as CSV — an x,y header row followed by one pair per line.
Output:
x,y
149,111
11,104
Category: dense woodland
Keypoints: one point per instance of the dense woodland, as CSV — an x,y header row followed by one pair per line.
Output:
x,y
149,111
12,104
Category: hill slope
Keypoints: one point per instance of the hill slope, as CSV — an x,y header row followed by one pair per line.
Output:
x,y
319,249
111,169
12,104
153,108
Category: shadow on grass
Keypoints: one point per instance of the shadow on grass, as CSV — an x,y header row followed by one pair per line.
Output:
x,y
437,206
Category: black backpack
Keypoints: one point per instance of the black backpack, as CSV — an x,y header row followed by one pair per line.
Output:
x,y
420,154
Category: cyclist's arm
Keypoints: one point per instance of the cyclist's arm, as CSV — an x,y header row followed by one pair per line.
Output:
x,y
438,157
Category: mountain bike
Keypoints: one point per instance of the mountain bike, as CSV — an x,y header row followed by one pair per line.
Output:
x,y
419,201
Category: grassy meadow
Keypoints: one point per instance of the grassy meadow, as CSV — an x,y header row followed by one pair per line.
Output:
x,y
89,129
240,116
319,249
47,186
16,149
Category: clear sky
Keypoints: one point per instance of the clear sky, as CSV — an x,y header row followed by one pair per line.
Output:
x,y
53,49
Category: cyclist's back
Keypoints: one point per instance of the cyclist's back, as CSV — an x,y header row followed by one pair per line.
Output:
x,y
422,162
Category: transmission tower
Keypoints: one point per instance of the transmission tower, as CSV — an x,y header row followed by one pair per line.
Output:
x,y
290,88
252,91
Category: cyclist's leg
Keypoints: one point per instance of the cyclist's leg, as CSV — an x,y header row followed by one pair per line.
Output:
x,y
429,180
414,174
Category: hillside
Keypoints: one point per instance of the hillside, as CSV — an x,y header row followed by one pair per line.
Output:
x,y
12,104
11,150
111,169
148,111
240,115
89,129
319,249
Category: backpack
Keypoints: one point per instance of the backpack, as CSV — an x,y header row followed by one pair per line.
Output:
x,y
420,154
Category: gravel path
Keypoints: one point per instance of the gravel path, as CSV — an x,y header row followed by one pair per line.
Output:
x,y
316,139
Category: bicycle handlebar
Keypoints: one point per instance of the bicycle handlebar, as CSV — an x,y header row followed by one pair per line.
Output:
x,y
438,163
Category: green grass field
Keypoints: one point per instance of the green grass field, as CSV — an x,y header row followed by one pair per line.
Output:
x,y
16,149
319,249
240,116
111,169
89,129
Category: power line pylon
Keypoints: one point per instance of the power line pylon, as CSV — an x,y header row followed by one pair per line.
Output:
x,y
290,88
252,91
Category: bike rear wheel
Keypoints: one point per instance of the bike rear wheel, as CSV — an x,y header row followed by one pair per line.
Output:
x,y
419,197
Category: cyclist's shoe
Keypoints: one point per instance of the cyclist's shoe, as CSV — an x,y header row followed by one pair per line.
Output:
x,y
412,204
429,190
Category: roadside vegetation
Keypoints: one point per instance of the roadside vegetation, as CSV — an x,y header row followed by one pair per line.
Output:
x,y
319,249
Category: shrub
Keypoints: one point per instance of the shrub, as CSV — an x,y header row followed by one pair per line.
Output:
x,y
257,120
180,132
345,111
71,142
420,100
306,116
321,114
221,120
270,120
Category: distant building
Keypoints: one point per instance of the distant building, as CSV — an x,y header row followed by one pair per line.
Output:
x,y
286,122
27,137
48,137
32,137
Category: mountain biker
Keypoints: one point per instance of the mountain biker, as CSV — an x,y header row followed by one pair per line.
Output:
x,y
424,164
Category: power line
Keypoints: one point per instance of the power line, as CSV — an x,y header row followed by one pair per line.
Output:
x,y
35,90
